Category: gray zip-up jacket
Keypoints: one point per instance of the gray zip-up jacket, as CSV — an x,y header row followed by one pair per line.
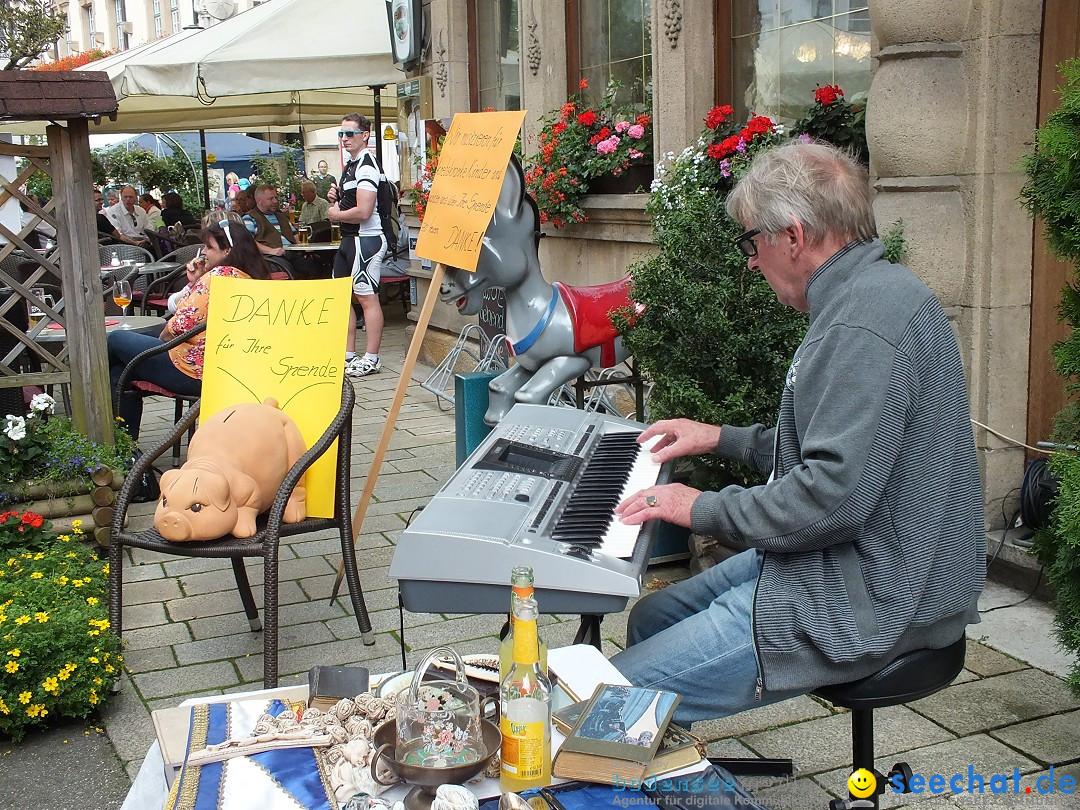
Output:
x,y
872,524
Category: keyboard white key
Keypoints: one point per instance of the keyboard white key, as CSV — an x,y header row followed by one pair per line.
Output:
x,y
620,538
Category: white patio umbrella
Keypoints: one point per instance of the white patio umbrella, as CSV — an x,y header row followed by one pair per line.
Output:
x,y
257,70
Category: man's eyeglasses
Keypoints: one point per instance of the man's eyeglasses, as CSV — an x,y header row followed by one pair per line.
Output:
x,y
350,133
745,243
228,232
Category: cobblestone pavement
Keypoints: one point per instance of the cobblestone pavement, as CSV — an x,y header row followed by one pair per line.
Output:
x,y
186,635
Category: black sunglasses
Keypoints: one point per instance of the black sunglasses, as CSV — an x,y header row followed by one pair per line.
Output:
x,y
350,133
745,243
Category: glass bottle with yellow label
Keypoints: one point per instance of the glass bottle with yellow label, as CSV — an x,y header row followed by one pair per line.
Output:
x,y
521,587
525,708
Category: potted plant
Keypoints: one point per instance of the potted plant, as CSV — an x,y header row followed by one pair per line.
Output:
x,y
581,144
47,466
1053,179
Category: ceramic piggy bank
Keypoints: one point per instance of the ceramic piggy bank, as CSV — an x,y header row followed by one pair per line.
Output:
x,y
236,462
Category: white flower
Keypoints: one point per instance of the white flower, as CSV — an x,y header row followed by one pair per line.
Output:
x,y
42,403
16,428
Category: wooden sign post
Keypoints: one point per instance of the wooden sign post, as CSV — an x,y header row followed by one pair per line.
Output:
x,y
474,156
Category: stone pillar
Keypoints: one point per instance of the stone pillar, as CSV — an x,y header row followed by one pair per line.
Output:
x,y
683,91
448,55
542,27
951,107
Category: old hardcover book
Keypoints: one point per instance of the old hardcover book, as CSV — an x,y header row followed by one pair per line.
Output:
x,y
618,735
327,685
678,748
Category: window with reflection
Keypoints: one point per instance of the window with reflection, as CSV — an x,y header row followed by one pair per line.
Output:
x,y
610,39
496,46
781,50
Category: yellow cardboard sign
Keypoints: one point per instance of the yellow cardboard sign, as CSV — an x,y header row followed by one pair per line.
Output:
x,y
286,340
472,161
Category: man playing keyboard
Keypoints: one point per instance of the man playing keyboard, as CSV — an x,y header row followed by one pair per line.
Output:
x,y
866,541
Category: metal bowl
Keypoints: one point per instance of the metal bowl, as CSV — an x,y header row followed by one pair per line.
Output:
x,y
427,780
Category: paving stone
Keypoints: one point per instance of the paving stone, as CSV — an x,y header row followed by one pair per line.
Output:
x,y
149,659
382,621
331,653
148,637
249,643
1050,740
124,709
211,604
184,566
728,748
965,676
154,590
145,615
998,701
208,582
773,715
984,661
817,745
142,573
466,628
797,794
194,678
980,752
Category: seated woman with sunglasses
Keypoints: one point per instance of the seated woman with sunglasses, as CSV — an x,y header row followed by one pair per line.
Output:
x,y
228,250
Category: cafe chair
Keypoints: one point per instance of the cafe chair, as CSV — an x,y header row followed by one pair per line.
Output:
x,y
152,294
124,252
271,530
148,389
280,269
910,677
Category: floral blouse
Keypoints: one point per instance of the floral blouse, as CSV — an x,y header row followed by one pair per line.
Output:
x,y
190,312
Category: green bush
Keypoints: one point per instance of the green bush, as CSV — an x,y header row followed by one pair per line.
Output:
x,y
58,658
1052,192
712,338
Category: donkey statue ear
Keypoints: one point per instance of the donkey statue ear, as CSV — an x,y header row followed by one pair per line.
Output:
x,y
515,202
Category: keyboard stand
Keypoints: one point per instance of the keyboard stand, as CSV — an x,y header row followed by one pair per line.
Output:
x,y
589,630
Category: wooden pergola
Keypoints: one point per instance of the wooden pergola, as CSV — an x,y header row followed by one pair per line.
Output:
x,y
68,100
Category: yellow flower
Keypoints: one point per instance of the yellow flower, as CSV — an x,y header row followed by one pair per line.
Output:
x,y
15,653
37,710
62,580
11,561
64,538
24,697
71,555
94,633
98,681
91,600
3,707
93,698
24,619
12,666
36,575
76,524
41,616
93,659
110,668
105,570
51,685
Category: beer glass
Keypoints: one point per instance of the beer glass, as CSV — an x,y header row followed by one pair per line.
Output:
x,y
335,232
303,233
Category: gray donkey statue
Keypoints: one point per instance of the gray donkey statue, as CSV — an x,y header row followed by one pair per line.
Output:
x,y
555,332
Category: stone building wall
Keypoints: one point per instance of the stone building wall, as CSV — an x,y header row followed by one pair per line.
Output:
x,y
951,109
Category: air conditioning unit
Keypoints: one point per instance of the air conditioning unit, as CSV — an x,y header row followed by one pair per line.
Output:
x,y
126,27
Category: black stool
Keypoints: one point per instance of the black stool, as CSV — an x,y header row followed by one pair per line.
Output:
x,y
909,677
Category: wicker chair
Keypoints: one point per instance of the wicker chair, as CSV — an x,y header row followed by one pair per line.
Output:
x,y
264,544
143,388
280,268
154,296
124,252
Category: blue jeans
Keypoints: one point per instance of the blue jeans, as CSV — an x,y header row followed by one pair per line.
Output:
x,y
694,638
160,370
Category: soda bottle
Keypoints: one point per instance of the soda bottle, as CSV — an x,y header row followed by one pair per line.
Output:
x,y
525,708
521,587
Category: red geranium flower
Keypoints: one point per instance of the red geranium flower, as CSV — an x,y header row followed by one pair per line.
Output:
x,y
587,118
583,84
559,128
715,117
643,120
716,151
759,125
828,94
599,136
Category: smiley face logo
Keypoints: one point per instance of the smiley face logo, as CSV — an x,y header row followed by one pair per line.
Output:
x,y
862,783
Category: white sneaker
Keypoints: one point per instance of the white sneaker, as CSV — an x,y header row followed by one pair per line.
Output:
x,y
358,366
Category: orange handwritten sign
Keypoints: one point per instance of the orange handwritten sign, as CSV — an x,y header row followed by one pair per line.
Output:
x,y
472,161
